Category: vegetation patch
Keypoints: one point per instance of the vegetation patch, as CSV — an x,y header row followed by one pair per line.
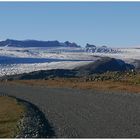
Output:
x,y
11,111
121,81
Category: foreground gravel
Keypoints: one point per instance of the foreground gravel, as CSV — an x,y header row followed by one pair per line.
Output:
x,y
77,113
33,123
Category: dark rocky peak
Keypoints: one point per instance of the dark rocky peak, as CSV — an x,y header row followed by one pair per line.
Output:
x,y
90,46
73,44
103,65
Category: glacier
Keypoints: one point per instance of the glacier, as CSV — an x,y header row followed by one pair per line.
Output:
x,y
17,60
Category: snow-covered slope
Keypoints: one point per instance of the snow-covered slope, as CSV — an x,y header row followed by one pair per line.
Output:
x,y
121,53
124,53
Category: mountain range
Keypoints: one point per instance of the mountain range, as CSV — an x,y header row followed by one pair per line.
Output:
x,y
36,43
57,44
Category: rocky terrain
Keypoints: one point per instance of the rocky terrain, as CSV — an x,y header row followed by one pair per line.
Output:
x,y
34,124
103,65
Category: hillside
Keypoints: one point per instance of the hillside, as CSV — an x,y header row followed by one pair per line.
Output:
x,y
103,65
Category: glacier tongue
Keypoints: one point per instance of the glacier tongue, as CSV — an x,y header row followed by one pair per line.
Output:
x,y
15,60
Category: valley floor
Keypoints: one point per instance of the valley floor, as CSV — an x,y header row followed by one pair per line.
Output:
x,y
75,113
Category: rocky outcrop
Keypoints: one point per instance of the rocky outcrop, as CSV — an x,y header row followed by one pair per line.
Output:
x,y
67,43
100,49
103,65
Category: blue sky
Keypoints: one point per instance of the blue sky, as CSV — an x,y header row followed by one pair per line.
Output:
x,y
103,23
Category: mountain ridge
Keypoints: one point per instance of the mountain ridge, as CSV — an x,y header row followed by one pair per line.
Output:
x,y
37,43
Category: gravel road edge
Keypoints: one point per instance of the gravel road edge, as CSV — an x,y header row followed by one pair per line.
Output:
x,y
33,123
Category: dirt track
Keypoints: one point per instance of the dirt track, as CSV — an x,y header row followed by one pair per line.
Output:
x,y
83,113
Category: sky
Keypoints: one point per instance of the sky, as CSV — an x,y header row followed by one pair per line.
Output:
x,y
115,24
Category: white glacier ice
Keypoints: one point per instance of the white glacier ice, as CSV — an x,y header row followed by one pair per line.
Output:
x,y
34,59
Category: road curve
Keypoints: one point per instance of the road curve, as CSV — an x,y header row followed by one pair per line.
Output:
x,y
77,113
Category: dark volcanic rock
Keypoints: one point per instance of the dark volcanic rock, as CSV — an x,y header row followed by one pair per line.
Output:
x,y
90,48
103,65
42,74
67,43
136,63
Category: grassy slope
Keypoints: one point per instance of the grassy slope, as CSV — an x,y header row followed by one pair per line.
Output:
x,y
129,82
10,113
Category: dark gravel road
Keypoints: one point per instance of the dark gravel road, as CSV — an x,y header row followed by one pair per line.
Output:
x,y
82,113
